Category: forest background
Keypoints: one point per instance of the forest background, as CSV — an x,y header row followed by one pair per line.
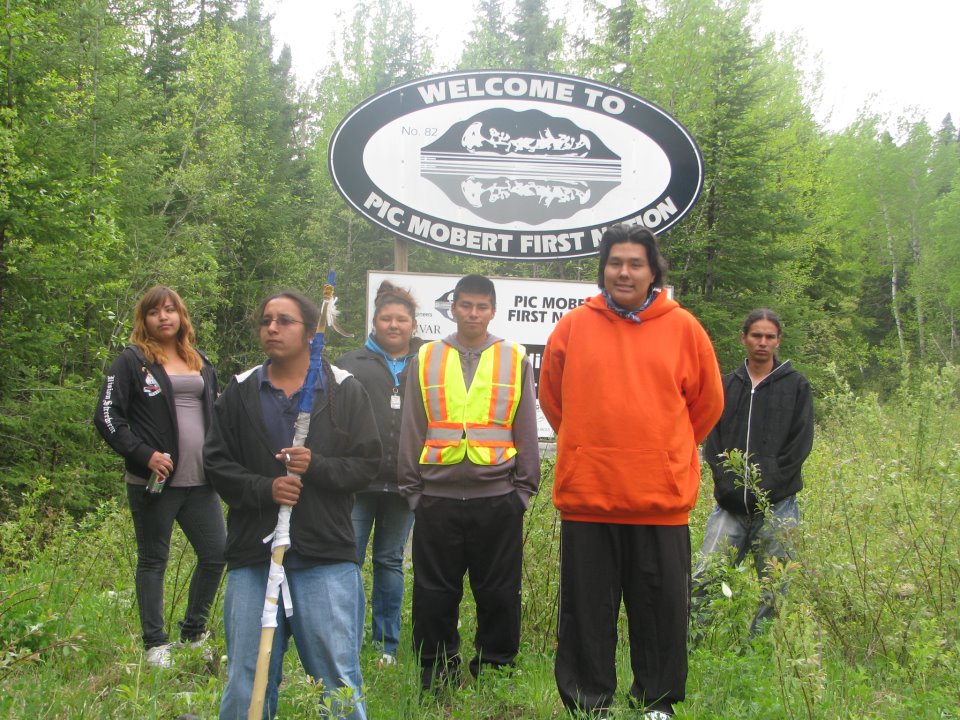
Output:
x,y
166,141
158,141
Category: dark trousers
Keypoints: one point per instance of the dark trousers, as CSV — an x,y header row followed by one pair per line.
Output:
x,y
198,511
648,568
482,537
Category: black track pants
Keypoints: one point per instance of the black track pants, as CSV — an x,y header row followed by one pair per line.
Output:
x,y
648,568
482,537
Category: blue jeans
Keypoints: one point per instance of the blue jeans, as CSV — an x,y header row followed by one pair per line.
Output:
x,y
198,511
766,536
388,515
326,625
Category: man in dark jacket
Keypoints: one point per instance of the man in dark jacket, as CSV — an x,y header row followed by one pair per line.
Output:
x,y
249,459
768,420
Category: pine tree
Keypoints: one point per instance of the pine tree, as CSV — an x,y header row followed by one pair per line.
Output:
x,y
488,46
536,40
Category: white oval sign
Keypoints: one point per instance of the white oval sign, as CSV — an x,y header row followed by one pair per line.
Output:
x,y
513,165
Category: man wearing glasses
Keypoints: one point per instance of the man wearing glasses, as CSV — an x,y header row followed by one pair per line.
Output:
x,y
249,459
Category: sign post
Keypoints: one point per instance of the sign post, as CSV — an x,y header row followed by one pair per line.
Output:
x,y
400,253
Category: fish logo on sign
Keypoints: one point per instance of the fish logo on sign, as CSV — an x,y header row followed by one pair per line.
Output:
x,y
513,164
444,305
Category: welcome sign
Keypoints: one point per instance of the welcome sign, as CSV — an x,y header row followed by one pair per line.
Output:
x,y
513,165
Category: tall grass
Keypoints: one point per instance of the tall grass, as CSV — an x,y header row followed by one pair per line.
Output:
x,y
869,628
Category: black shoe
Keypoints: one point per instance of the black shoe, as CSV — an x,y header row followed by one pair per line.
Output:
x,y
440,675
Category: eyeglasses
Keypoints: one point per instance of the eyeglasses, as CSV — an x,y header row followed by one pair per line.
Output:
x,y
281,320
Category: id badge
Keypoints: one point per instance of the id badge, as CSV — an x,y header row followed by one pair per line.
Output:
x,y
395,399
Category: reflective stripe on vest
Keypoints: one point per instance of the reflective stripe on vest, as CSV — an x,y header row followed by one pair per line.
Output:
x,y
476,423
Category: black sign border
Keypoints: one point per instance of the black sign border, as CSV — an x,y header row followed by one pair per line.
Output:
x,y
348,142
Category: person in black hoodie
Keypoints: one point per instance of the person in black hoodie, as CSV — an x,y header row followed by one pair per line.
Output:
x,y
251,462
768,417
153,410
381,367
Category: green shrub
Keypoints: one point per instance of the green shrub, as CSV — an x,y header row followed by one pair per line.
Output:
x,y
869,629
48,433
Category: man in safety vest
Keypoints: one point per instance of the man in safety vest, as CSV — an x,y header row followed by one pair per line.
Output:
x,y
468,464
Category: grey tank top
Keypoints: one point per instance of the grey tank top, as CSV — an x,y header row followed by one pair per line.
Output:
x,y
188,399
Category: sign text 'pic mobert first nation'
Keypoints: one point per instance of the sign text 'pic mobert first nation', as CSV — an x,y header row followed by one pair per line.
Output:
x,y
513,165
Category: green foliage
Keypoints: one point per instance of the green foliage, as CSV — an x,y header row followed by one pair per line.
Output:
x,y
541,568
166,141
872,600
869,628
525,39
535,39
50,447
487,46
896,587
747,475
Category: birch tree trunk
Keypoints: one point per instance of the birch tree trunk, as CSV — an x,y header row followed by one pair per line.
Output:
x,y
894,285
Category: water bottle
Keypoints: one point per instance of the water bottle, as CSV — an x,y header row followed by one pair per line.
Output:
x,y
157,482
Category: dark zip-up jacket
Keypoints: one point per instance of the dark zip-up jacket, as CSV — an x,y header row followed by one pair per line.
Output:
x,y
136,413
773,425
371,370
240,463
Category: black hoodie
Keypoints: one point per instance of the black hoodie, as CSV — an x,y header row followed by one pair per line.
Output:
x,y
136,413
772,424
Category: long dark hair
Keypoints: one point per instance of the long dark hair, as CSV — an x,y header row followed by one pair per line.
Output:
x,y
308,308
635,234
761,314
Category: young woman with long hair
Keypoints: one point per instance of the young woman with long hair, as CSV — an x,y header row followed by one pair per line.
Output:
x,y
154,409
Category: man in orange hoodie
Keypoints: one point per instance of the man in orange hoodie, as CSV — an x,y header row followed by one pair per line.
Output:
x,y
630,383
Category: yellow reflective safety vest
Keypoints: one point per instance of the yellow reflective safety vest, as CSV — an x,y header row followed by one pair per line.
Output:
x,y
476,423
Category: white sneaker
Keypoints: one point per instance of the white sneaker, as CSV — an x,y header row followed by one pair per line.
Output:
x,y
657,715
200,642
159,656
386,660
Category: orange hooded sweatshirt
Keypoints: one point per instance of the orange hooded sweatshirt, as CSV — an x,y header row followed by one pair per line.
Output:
x,y
629,402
